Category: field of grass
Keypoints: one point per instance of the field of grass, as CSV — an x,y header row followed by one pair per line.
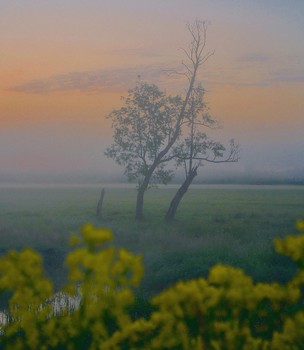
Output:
x,y
228,224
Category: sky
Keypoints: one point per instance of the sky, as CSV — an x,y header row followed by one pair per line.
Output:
x,y
65,64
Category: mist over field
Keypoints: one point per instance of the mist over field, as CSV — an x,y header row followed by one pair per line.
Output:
x,y
53,155
75,166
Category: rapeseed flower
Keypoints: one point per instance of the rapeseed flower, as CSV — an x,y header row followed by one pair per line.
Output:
x,y
227,310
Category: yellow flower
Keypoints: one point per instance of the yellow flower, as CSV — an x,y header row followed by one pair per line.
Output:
x,y
95,236
225,311
300,225
74,240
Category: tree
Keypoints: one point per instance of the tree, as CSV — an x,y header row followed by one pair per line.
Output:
x,y
197,148
147,127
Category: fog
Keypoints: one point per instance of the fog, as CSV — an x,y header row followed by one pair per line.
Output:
x,y
59,82
59,154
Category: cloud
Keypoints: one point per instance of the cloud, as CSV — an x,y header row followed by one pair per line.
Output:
x,y
137,51
261,70
106,80
254,57
277,77
289,74
267,73
289,79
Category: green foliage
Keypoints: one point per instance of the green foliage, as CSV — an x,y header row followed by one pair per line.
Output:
x,y
142,128
227,310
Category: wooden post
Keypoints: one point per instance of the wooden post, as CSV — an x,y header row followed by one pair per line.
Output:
x,y
99,205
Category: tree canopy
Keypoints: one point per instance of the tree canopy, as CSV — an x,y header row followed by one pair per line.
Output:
x,y
143,127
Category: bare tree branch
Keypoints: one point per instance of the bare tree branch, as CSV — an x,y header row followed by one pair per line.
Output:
x,y
196,148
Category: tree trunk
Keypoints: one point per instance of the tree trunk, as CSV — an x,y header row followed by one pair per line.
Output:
x,y
179,195
99,205
139,214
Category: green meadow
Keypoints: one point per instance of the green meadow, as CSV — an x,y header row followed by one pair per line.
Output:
x,y
215,223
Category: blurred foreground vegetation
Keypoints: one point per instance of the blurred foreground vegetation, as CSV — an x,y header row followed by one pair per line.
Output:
x,y
227,310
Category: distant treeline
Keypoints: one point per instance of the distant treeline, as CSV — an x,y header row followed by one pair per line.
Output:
x,y
253,181
95,179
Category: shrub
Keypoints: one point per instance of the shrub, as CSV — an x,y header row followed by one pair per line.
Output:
x,y
225,311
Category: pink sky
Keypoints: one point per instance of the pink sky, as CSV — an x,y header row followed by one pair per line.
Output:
x,y
65,64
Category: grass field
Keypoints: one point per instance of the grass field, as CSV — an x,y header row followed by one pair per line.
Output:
x,y
228,224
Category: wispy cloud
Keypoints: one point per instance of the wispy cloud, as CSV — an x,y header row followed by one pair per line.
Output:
x,y
248,70
137,51
254,57
288,79
262,70
106,80
279,76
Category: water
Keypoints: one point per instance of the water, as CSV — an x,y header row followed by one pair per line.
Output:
x,y
60,302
